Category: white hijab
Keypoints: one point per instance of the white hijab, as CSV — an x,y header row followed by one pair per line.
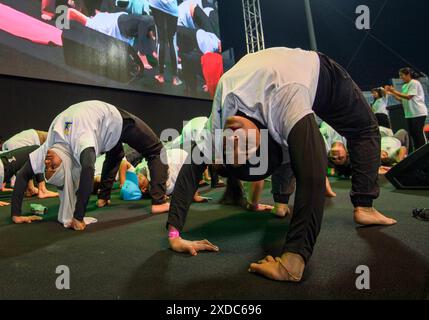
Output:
x,y
66,179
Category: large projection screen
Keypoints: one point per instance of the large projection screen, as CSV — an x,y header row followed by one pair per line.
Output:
x,y
160,46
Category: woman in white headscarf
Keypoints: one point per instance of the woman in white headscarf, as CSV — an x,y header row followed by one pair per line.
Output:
x,y
76,137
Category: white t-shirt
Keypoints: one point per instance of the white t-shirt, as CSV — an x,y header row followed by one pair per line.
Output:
x,y
330,136
385,132
185,19
276,86
415,107
391,145
99,162
107,23
175,160
83,125
380,106
207,41
25,138
167,6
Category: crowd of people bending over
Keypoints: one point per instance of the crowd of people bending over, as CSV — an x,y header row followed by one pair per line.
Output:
x,y
295,110
182,34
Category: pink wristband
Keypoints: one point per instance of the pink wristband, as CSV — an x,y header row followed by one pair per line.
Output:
x,y
173,234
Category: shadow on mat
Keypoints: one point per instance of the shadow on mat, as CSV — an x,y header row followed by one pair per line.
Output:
x,y
22,239
272,229
396,271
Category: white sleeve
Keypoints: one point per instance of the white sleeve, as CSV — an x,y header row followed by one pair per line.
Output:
x,y
37,159
412,88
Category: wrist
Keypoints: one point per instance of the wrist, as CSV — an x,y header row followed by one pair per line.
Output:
x,y
173,234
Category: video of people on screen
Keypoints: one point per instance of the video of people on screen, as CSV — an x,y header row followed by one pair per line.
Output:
x,y
162,46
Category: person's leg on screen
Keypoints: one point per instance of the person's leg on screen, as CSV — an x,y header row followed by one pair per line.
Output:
x,y
161,27
48,9
171,24
308,162
74,15
138,26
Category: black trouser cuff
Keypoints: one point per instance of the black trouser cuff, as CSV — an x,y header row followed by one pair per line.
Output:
x,y
158,202
281,198
305,254
362,201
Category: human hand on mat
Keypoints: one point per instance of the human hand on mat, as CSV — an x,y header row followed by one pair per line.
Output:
x,y
192,247
25,219
2,203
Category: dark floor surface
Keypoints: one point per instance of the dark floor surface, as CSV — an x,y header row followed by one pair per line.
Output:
x,y
126,256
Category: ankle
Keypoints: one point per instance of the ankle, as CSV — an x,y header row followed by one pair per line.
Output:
x,y
293,264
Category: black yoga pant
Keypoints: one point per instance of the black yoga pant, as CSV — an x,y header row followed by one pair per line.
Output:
x,y
139,136
166,25
14,160
383,120
415,129
138,27
340,103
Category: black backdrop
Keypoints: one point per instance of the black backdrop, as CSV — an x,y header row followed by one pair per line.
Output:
x,y
29,103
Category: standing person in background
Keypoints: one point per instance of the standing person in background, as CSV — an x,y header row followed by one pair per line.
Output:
x,y
415,109
165,13
379,106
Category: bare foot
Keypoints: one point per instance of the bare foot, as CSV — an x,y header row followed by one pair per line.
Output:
x,y
281,210
77,225
146,63
160,78
160,208
370,216
101,203
259,207
47,194
200,199
46,17
3,204
289,267
31,192
177,81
